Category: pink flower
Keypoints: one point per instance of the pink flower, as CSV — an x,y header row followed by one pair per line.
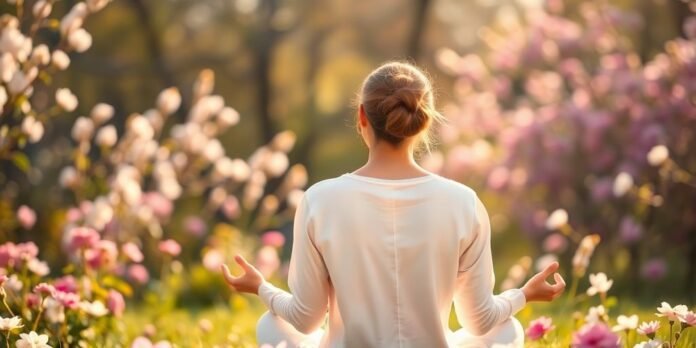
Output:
x,y
3,279
26,251
73,215
539,327
102,255
273,238
83,238
144,342
230,207
66,284
32,300
138,273
648,328
8,254
26,217
595,335
170,247
688,318
44,289
555,243
160,205
67,299
115,303
195,225
654,269
267,260
132,252
212,259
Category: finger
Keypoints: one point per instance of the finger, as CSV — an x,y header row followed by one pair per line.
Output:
x,y
560,283
243,263
229,278
549,270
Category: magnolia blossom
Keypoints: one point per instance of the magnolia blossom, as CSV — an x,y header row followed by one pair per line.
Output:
x,y
9,324
599,284
74,19
626,323
658,155
622,184
66,100
32,340
595,335
539,327
41,55
671,313
648,328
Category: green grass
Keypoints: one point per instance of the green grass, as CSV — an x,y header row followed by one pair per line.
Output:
x,y
233,325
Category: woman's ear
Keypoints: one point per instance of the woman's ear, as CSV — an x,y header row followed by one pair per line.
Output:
x,y
362,116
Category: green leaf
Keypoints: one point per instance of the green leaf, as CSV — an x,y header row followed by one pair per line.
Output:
x,y
21,161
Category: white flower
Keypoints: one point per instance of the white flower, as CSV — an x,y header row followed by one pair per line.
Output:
x,y
648,328
649,344
21,80
141,127
596,314
33,128
80,40
169,101
95,309
276,163
3,97
227,117
101,113
74,19
41,55
39,268
626,323
42,9
82,129
9,324
66,99
284,141
32,340
96,5
671,313
557,219
688,318
101,213
8,67
239,170
60,60
213,150
599,284
14,42
68,177
106,136
54,311
658,155
170,188
622,183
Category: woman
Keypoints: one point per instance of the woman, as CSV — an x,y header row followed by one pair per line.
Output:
x,y
388,248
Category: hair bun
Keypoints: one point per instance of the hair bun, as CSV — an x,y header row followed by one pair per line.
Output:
x,y
404,112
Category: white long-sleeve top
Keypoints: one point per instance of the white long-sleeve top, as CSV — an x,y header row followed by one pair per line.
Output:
x,y
387,258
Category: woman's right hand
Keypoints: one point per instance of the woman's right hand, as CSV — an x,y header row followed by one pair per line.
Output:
x,y
538,289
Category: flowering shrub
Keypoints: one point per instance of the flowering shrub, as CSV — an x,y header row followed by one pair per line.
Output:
x,y
563,112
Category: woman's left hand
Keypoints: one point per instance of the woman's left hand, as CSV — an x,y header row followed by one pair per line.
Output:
x,y
248,282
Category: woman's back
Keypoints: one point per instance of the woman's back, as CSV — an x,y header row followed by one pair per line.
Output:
x,y
391,248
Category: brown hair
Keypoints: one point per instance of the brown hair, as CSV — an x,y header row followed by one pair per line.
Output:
x,y
398,101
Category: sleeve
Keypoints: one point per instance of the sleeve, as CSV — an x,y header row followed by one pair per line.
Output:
x,y
305,307
477,309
